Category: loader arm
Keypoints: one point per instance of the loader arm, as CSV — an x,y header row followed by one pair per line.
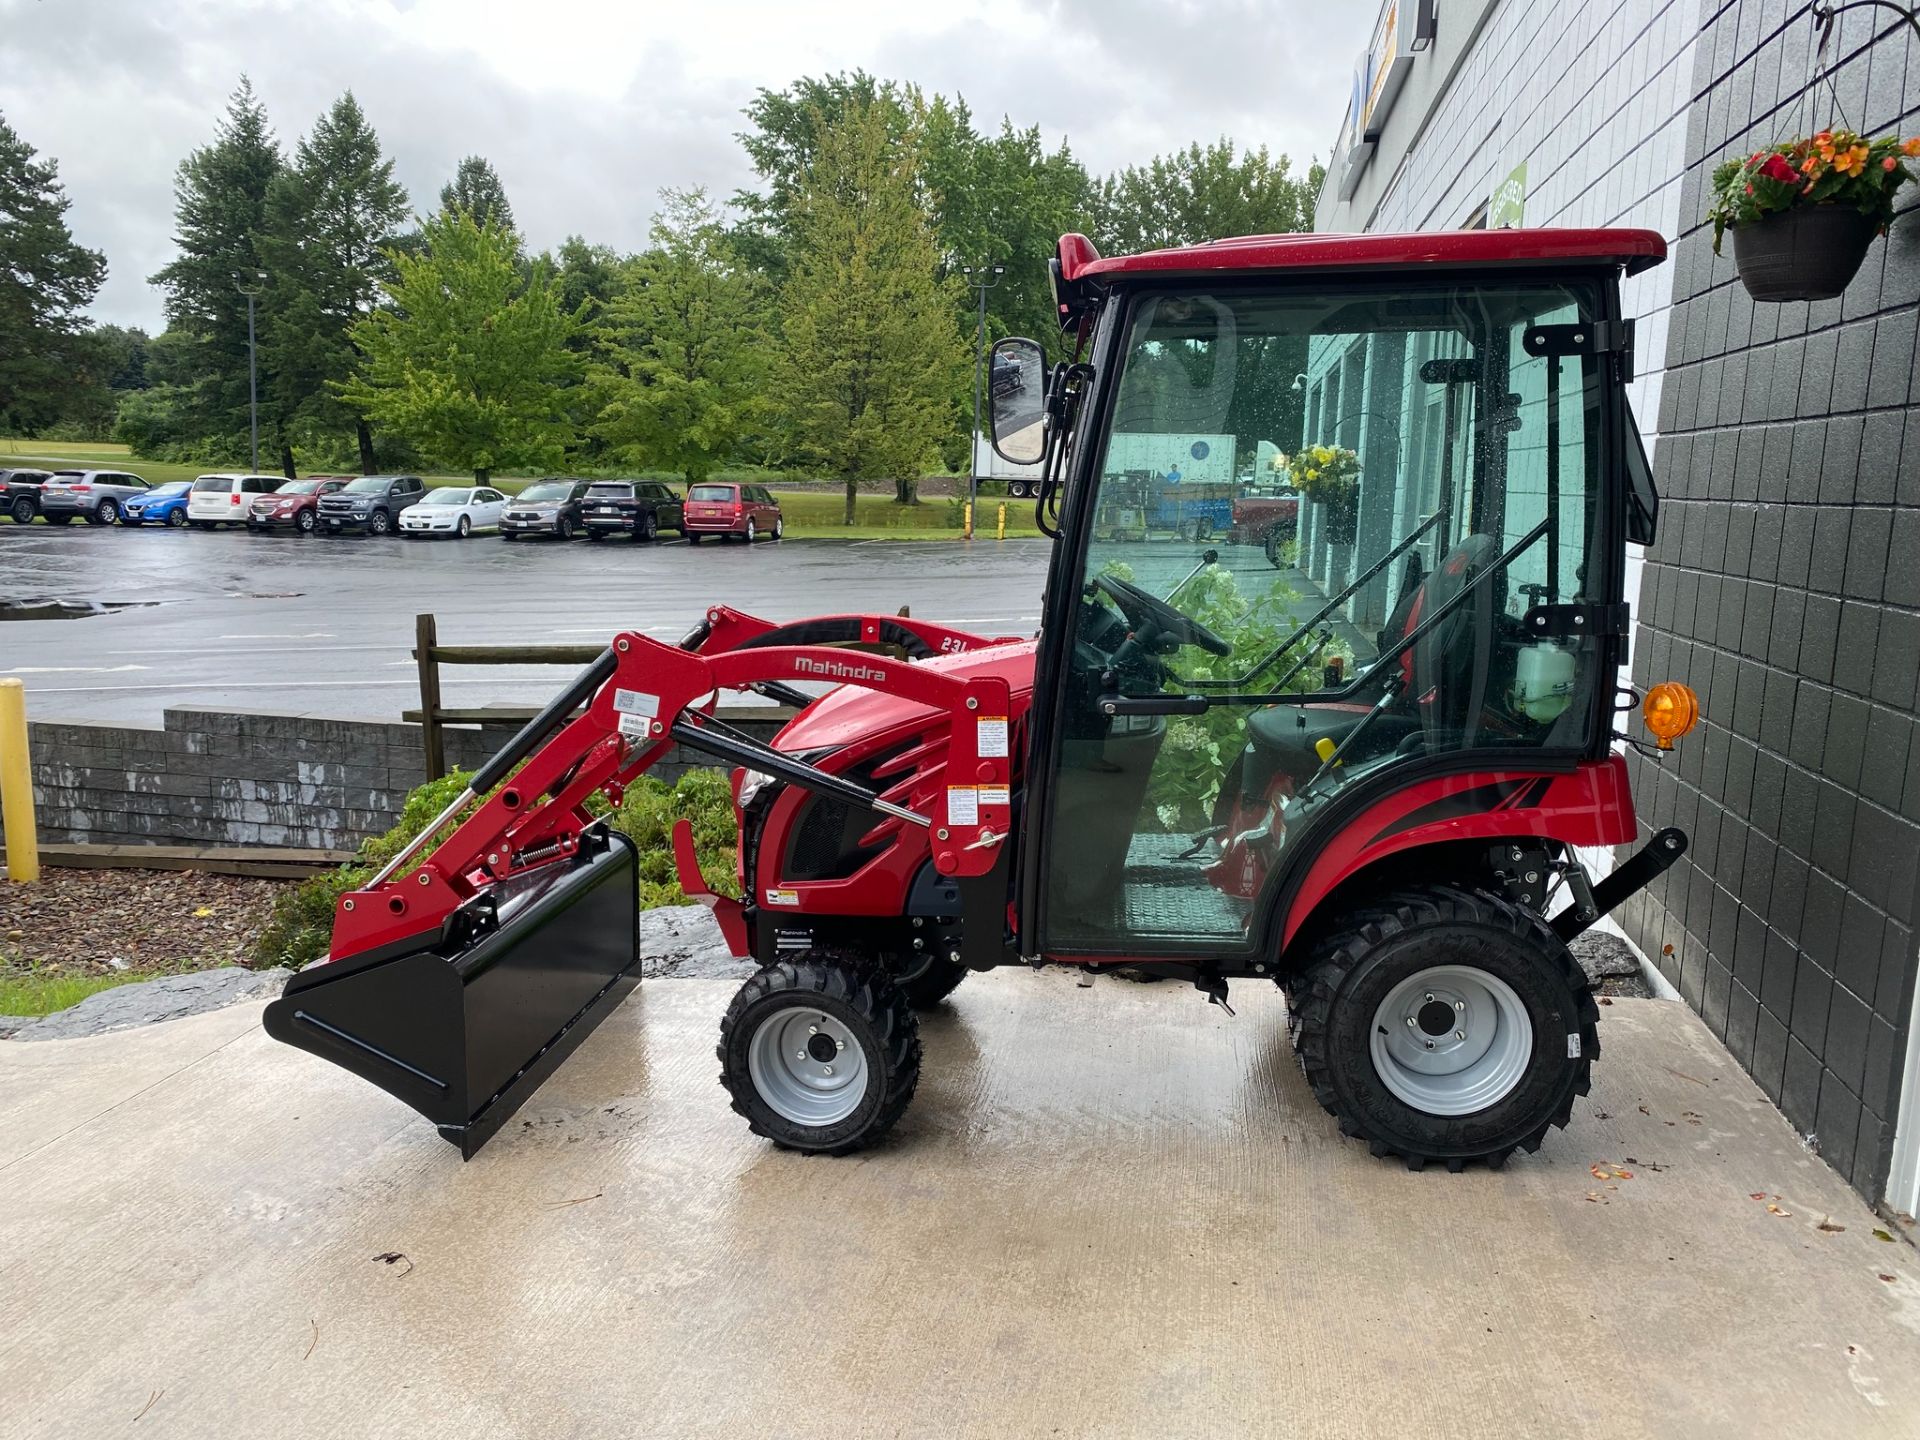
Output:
x,y
650,696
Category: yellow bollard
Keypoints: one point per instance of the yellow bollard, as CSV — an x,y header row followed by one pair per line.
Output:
x,y
16,785
1003,524
967,534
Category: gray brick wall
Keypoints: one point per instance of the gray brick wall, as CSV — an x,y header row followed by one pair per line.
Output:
x,y
1785,588
248,778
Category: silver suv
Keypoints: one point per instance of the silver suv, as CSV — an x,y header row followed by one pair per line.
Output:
x,y
96,495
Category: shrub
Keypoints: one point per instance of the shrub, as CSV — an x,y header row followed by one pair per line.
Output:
x,y
298,930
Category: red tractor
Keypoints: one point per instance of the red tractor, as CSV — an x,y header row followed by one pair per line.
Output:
x,y
1365,776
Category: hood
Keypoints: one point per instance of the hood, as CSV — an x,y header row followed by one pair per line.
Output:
x,y
851,713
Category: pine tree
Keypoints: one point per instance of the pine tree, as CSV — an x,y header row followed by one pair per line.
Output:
x,y
684,346
330,217
476,190
469,359
871,357
46,280
220,213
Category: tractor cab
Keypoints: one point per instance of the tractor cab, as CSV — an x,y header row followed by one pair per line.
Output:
x,y
1450,412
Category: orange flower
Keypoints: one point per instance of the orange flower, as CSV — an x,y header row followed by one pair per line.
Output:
x,y
1851,161
1912,147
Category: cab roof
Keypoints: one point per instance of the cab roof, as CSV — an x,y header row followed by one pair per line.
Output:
x,y
1632,250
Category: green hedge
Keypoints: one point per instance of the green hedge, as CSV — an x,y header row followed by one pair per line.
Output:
x,y
298,930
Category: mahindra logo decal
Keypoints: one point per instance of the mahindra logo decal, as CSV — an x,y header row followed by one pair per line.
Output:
x,y
836,669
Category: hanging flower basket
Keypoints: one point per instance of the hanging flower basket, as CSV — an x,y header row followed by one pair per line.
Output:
x,y
1329,476
1804,212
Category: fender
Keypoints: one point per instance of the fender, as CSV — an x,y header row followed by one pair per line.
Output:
x,y
1589,806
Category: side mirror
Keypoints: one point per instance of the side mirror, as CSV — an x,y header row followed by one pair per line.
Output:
x,y
1017,401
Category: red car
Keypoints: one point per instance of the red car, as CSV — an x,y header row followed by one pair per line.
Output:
x,y
730,511
294,504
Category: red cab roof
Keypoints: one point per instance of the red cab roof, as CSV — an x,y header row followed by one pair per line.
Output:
x,y
1635,250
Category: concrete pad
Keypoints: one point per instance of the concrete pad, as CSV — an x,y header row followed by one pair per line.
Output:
x,y
1110,1211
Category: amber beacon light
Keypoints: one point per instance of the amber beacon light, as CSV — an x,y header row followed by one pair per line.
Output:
x,y
1670,710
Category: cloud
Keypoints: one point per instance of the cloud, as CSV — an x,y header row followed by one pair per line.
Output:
x,y
588,107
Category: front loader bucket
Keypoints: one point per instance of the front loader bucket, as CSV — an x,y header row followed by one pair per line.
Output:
x,y
465,1031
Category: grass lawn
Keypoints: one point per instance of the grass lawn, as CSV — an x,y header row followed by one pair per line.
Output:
x,y
33,992
810,511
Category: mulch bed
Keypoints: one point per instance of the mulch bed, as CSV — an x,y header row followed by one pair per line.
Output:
x,y
90,922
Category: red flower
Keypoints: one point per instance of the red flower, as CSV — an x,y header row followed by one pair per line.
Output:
x,y
1777,168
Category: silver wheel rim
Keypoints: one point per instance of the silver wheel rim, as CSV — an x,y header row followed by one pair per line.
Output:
x,y
1458,1066
787,1061
749,532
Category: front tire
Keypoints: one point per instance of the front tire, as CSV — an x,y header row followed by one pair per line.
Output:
x,y
1493,1073
563,528
820,1054
381,523
465,527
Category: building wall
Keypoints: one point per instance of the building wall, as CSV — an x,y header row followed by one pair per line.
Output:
x,y
1785,586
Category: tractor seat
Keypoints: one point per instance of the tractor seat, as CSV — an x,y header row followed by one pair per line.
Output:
x,y
1284,738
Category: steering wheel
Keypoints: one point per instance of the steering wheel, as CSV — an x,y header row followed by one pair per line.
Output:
x,y
1154,620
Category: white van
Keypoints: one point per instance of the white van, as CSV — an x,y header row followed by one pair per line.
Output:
x,y
227,499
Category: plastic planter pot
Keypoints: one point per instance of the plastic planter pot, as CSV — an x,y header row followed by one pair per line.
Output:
x,y
1811,252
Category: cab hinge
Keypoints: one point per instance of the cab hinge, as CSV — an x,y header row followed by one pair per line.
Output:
x,y
1561,621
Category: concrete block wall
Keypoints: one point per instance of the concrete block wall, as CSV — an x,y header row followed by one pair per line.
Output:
x,y
1785,588
249,778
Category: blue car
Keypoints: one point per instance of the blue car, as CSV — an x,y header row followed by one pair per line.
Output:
x,y
162,505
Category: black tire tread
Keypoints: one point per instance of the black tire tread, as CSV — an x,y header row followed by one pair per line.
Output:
x,y
859,983
1311,995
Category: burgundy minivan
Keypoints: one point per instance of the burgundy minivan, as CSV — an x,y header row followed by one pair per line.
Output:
x,y
746,512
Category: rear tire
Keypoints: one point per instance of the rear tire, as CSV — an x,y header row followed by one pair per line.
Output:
x,y
820,1054
22,509
60,519
177,518
648,527
694,537
1367,1027
105,513
749,534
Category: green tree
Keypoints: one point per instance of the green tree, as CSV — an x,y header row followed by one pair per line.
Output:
x,y
220,220
783,142
476,190
868,368
1200,194
46,280
683,343
332,215
470,359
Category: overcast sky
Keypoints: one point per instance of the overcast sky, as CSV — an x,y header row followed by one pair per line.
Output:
x,y
588,107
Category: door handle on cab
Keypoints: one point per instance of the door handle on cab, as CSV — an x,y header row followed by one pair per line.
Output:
x,y
1153,704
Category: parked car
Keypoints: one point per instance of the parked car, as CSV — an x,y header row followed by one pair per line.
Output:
x,y
162,505
373,503
96,495
546,507
456,510
640,508
224,499
295,505
727,510
20,493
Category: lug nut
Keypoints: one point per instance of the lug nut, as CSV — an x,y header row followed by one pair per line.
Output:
x,y
813,1029
799,1054
827,1068
1411,1022
839,1045
1459,1034
1461,1006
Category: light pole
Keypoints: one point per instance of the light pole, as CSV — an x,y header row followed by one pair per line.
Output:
x,y
253,368
982,278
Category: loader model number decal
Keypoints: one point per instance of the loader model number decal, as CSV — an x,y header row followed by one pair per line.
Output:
x,y
836,669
